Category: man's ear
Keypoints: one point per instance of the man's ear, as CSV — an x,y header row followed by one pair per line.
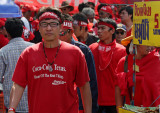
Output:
x,y
113,31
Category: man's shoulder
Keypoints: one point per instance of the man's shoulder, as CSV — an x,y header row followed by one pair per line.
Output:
x,y
81,45
93,46
70,47
120,47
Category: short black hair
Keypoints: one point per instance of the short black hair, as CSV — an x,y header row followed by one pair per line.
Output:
x,y
100,6
67,17
81,6
110,21
50,9
129,10
91,3
80,17
14,27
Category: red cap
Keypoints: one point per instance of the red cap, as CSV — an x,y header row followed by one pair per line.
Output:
x,y
26,8
2,21
107,9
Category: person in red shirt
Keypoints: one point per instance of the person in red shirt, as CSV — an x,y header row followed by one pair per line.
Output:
x,y
52,70
147,80
106,53
3,40
126,15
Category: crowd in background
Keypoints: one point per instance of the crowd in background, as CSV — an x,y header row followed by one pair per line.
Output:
x,y
105,39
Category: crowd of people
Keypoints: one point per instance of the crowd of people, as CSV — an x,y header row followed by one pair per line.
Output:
x,y
53,61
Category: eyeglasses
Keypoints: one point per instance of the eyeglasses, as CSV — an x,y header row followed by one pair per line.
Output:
x,y
62,33
122,33
52,24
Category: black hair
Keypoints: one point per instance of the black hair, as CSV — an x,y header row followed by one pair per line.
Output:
x,y
14,27
67,17
80,17
112,22
91,3
100,6
50,9
129,10
81,6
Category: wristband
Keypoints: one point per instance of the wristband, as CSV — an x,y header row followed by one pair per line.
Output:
x,y
119,107
11,109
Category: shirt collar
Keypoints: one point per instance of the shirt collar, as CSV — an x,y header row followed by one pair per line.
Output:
x,y
16,39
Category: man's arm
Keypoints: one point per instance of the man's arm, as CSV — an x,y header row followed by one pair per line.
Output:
x,y
118,98
86,98
15,96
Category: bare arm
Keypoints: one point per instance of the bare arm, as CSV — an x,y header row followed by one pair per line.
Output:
x,y
118,97
86,98
15,96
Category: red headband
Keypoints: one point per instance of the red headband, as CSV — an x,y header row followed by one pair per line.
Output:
x,y
79,23
107,9
109,25
49,15
67,25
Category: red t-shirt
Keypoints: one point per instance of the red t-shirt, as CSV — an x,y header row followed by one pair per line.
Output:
x,y
147,88
106,70
52,92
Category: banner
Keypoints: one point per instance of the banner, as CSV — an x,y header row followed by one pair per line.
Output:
x,y
146,23
55,3
123,1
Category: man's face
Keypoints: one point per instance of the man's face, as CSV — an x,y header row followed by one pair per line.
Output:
x,y
143,50
120,34
77,31
66,35
3,31
104,32
28,14
125,16
65,10
103,14
49,29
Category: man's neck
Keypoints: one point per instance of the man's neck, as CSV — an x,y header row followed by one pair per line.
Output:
x,y
128,25
52,44
107,41
83,37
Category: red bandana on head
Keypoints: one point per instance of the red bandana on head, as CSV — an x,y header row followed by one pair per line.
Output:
x,y
106,24
67,25
79,23
105,54
49,15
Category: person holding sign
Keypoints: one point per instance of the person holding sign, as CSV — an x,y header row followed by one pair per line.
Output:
x,y
146,71
52,70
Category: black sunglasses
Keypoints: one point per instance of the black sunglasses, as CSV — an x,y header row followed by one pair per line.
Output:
x,y
122,33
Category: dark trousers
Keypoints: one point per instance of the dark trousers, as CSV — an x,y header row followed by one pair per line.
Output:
x,y
107,109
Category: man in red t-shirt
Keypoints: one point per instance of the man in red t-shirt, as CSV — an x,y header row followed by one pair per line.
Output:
x,y
106,53
51,69
126,15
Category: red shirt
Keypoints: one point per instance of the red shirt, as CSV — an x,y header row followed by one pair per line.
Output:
x,y
106,63
147,88
52,92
